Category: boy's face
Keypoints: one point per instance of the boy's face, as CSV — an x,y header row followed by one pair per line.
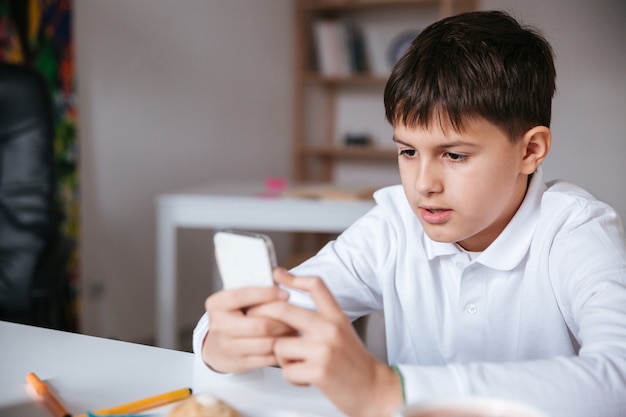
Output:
x,y
463,186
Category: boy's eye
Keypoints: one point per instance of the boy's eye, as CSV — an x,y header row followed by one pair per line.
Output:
x,y
407,152
456,156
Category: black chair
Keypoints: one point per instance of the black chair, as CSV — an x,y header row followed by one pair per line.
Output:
x,y
34,254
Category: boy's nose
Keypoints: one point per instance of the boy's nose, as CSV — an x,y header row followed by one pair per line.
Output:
x,y
427,180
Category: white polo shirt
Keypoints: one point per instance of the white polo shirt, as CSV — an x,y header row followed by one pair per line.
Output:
x,y
538,317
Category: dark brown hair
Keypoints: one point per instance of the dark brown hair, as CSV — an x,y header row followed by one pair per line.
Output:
x,y
477,64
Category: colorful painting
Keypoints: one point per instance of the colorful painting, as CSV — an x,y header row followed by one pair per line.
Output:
x,y
38,33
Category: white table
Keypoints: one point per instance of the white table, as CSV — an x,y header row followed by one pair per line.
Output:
x,y
240,206
88,373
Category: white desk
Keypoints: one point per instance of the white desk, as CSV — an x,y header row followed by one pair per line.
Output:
x,y
239,206
88,373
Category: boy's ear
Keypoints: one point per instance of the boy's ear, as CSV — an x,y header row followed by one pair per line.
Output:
x,y
536,142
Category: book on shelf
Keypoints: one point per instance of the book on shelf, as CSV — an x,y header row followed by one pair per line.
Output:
x,y
339,47
355,45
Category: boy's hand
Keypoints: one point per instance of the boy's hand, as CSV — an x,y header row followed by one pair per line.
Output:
x,y
237,342
329,354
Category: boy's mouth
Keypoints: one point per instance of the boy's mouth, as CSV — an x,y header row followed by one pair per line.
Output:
x,y
435,215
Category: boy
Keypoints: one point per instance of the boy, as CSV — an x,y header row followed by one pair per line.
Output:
x,y
492,283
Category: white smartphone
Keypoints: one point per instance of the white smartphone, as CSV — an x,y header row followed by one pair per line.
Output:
x,y
244,259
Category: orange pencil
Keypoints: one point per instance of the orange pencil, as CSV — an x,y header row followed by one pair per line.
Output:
x,y
145,404
44,392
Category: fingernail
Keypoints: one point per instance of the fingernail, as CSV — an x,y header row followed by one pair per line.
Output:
x,y
280,273
283,295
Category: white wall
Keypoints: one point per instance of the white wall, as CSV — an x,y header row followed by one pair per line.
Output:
x,y
172,94
176,93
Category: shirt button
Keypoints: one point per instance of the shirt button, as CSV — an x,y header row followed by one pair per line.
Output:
x,y
471,309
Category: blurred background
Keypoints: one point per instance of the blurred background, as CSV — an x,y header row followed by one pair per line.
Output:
x,y
177,94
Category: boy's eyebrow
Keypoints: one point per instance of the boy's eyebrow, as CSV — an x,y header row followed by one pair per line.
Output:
x,y
440,146
396,140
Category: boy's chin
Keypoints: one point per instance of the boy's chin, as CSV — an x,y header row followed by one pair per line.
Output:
x,y
439,238
438,233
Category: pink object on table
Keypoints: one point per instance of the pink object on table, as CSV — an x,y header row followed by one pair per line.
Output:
x,y
274,187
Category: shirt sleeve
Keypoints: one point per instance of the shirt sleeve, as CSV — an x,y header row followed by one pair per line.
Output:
x,y
350,266
567,387
199,334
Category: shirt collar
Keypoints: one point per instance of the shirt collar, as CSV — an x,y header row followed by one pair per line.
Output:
x,y
510,247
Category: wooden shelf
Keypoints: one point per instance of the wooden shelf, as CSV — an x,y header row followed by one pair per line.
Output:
x,y
356,79
321,101
339,5
446,7
350,152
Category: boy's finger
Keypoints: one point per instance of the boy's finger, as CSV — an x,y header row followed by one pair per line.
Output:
x,y
250,326
249,362
323,299
296,317
298,360
301,319
252,346
238,298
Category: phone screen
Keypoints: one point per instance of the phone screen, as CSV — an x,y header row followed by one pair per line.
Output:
x,y
244,259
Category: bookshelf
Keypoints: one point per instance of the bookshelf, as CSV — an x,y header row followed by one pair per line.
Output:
x,y
345,99
356,36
